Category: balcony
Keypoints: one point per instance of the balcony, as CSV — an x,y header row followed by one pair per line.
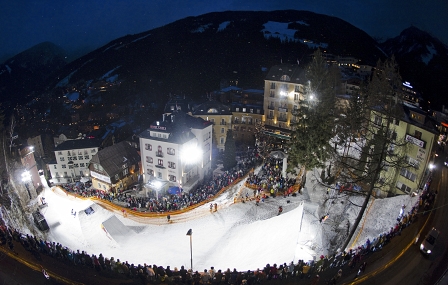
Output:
x,y
159,154
280,109
283,119
271,107
223,123
270,117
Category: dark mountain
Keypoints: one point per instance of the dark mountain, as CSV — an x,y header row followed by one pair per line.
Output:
x,y
423,61
191,56
28,71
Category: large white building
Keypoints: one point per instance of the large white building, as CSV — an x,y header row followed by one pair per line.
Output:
x,y
176,150
72,160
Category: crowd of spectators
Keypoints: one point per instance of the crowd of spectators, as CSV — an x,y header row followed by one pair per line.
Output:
x,y
170,202
270,178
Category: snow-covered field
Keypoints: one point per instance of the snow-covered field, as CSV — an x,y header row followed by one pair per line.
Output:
x,y
242,235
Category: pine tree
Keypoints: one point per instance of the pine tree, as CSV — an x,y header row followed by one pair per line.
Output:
x,y
369,122
230,151
314,120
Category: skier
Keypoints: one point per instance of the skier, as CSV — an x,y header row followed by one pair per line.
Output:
x,y
280,210
216,207
211,207
44,272
361,269
168,218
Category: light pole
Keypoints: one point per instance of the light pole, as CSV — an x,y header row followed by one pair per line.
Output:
x,y
26,177
190,233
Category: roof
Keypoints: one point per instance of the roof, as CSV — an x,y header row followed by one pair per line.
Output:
x,y
113,158
212,107
429,124
78,144
178,125
178,103
287,73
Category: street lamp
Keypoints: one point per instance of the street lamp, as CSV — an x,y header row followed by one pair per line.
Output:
x,y
26,177
190,233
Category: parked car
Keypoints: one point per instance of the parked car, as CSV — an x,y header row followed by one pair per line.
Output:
x,y
428,243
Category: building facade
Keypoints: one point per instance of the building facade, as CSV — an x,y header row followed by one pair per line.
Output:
x,y
72,160
284,86
115,168
220,116
176,150
421,135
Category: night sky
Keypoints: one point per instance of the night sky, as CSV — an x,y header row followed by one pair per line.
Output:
x,y
91,24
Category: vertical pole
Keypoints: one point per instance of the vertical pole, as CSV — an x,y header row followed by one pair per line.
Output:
x,y
191,251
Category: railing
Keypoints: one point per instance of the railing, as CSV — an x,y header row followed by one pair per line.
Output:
x,y
223,123
281,119
282,109
270,107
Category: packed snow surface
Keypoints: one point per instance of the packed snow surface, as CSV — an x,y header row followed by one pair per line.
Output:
x,y
238,235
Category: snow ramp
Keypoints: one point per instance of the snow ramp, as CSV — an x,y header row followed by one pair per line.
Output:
x,y
117,230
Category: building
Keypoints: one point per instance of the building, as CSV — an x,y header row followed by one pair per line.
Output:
x,y
221,117
72,160
115,168
176,151
247,111
422,135
284,86
31,172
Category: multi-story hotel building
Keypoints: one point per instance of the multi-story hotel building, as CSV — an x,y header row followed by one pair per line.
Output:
x,y
284,86
176,150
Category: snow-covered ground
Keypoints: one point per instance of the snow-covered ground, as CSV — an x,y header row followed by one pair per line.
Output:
x,y
242,235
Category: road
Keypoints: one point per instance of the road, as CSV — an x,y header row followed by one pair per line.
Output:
x,y
401,261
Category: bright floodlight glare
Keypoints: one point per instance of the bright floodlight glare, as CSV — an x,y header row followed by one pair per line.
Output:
x,y
157,184
191,154
26,176
431,166
283,93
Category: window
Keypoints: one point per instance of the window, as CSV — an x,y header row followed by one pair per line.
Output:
x,y
222,130
64,166
418,135
116,177
171,165
251,110
65,174
149,159
159,175
377,120
397,122
237,109
408,174
57,174
271,93
403,187
62,158
272,85
70,166
55,167
69,158
68,153
392,134
92,151
221,140
172,178
59,152
160,162
76,165
296,89
74,158
125,172
86,157
80,157
79,152
85,152
244,109
150,172
81,164
170,151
